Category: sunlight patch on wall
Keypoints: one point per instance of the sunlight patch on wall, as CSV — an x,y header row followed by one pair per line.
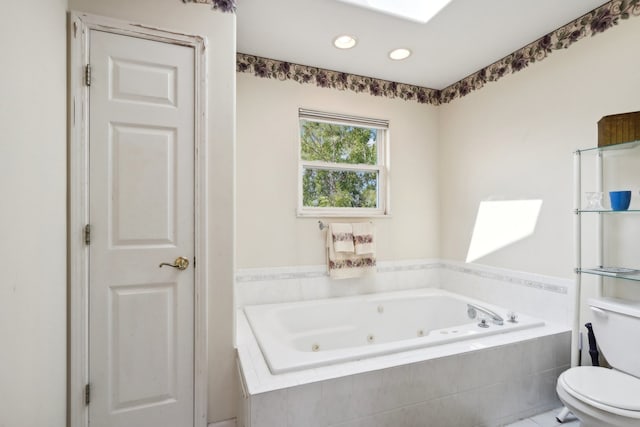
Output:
x,y
501,223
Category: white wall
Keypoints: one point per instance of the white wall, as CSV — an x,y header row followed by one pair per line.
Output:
x,y
33,214
515,139
219,28
269,233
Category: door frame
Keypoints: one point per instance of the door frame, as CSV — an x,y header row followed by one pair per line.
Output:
x,y
80,24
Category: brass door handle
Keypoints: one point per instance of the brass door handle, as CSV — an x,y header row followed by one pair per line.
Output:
x,y
181,263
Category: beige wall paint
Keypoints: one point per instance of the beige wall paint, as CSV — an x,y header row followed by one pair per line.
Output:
x,y
33,214
515,139
219,28
268,232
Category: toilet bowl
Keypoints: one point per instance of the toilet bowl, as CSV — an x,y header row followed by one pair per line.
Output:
x,y
598,396
601,397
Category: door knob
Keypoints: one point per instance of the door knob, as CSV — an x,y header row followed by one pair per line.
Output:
x,y
181,263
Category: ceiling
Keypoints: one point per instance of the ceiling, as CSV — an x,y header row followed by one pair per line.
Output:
x,y
464,37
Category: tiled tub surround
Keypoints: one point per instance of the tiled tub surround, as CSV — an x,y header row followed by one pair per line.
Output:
x,y
490,381
540,296
549,298
288,284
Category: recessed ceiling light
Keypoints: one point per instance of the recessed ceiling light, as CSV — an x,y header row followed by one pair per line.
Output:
x,y
412,10
398,54
344,41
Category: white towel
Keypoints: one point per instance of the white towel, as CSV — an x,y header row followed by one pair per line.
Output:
x,y
344,265
342,237
364,238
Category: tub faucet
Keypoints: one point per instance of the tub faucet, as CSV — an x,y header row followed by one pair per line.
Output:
x,y
472,311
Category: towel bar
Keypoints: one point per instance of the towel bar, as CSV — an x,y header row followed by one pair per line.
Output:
x,y
322,225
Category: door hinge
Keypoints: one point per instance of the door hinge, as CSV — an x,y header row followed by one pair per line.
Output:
x,y
87,234
87,394
87,75
194,262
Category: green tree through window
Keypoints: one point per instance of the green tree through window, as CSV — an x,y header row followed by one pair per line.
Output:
x,y
341,165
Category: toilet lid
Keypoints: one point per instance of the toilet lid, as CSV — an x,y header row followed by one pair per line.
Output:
x,y
606,386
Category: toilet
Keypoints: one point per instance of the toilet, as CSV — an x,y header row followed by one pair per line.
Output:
x,y
608,397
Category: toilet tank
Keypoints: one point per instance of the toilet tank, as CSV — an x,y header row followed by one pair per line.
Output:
x,y
616,325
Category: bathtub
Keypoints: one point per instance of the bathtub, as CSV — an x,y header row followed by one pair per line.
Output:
x,y
309,334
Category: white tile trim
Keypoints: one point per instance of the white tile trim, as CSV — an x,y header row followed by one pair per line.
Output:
x,y
537,281
545,283
280,273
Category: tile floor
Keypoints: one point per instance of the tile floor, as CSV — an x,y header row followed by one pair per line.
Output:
x,y
547,419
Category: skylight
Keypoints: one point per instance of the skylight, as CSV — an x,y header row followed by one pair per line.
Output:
x,y
413,10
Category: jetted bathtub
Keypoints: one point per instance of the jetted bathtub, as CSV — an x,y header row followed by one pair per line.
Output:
x,y
301,335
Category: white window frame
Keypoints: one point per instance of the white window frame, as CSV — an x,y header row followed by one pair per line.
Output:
x,y
382,167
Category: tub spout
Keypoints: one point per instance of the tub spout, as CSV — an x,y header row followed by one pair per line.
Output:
x,y
472,311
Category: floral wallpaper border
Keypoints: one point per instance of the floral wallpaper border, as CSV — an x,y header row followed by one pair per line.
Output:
x,y
590,24
222,5
274,69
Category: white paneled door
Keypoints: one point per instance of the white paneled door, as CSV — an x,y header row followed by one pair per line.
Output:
x,y
141,211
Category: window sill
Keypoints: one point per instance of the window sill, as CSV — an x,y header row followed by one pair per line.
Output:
x,y
330,213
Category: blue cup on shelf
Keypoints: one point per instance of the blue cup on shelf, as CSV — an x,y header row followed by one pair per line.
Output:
x,y
620,200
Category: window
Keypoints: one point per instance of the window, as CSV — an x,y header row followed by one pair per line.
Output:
x,y
343,165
